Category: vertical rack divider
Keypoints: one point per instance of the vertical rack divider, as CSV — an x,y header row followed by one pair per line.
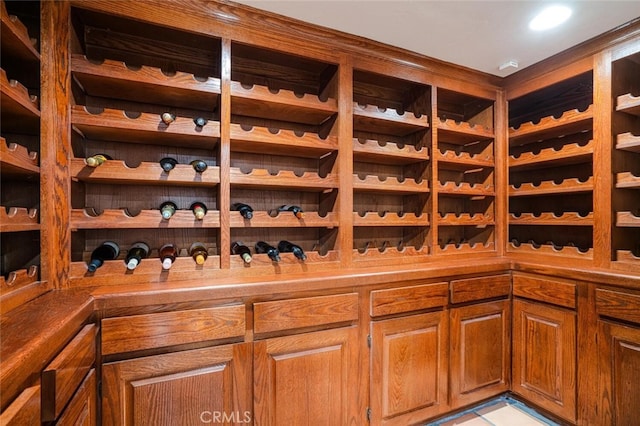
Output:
x,y
224,151
433,214
501,171
345,161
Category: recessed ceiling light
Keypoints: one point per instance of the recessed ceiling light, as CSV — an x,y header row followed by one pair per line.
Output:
x,y
550,17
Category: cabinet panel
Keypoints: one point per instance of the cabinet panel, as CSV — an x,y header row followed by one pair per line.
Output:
x,y
545,290
407,299
480,351
25,410
82,410
409,368
307,379
544,357
470,289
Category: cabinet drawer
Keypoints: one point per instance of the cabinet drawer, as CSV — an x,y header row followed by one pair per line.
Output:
x,y
470,289
64,374
157,330
407,299
616,304
545,290
24,410
289,314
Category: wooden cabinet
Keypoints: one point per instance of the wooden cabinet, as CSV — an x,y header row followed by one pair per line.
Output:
x,y
83,407
24,410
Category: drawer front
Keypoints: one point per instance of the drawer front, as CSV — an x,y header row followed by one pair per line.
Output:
x,y
157,330
545,290
64,374
620,305
471,289
24,410
407,299
279,315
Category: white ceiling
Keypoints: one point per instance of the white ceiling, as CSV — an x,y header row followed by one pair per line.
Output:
x,y
478,34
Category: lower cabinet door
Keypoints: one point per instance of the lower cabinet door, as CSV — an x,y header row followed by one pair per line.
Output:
x,y
409,368
619,381
81,410
194,387
480,352
307,379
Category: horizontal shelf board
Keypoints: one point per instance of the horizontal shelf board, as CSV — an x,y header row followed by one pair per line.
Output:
x,y
392,251
17,160
626,256
263,179
627,180
465,188
463,160
628,142
548,218
149,266
288,262
627,219
629,104
116,171
465,219
113,79
285,105
570,122
572,185
390,219
263,219
280,142
467,248
115,125
146,219
17,105
15,38
18,219
18,278
569,154
387,121
548,249
462,132
381,152
390,184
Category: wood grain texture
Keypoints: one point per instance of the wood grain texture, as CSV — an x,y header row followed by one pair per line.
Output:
x,y
552,291
408,298
473,289
617,304
25,410
82,409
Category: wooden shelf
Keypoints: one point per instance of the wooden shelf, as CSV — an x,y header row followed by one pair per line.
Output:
x,y
463,160
382,152
390,184
280,142
288,262
465,219
374,253
263,219
111,79
627,180
285,179
116,171
569,154
19,109
572,185
548,218
460,132
19,278
628,142
465,188
626,256
15,38
390,219
627,219
283,105
629,104
386,121
147,219
115,125
464,248
548,249
568,123
18,219
17,160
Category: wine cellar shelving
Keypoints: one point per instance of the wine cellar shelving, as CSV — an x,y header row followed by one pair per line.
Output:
x,y
19,147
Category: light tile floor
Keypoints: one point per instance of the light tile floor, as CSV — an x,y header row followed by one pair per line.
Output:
x,y
503,411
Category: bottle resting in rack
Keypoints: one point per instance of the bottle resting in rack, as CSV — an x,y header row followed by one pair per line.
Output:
x,y
296,210
243,251
105,251
199,210
168,209
288,247
168,117
245,210
271,251
168,164
136,253
168,254
199,253
199,165
96,160
200,121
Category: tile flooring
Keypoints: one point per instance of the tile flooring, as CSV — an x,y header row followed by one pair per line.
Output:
x,y
502,411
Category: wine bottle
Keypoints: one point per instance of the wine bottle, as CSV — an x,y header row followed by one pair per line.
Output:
x,y
272,252
297,211
136,253
168,209
200,121
105,251
168,254
243,251
288,247
168,164
96,160
199,253
245,210
198,209
168,118
199,165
